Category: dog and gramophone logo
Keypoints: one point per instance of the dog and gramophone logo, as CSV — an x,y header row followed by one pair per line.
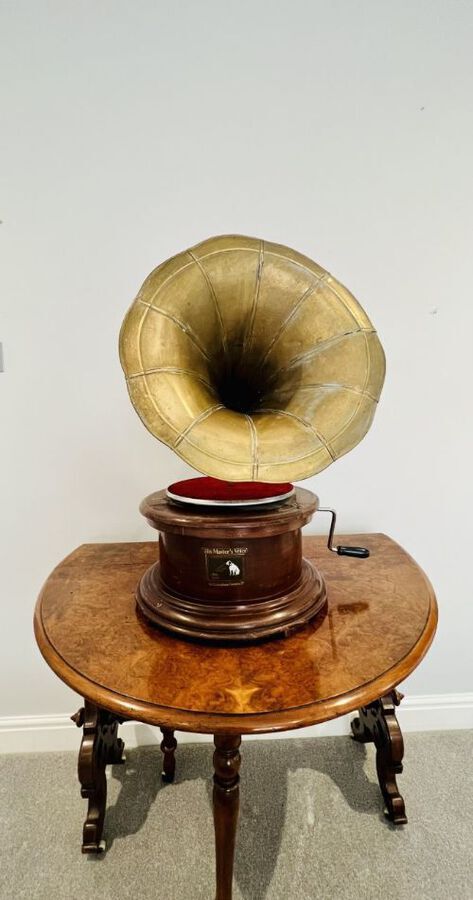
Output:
x,y
225,565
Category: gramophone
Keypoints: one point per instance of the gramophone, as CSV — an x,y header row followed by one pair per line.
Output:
x,y
258,368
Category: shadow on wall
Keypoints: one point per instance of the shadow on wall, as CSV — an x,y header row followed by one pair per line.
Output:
x,y
265,773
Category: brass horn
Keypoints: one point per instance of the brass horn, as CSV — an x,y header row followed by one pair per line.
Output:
x,y
251,361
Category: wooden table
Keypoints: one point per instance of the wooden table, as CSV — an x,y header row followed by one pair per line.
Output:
x,y
380,620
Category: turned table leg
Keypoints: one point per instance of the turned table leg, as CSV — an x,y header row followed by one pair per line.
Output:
x,y
226,803
168,747
100,746
377,722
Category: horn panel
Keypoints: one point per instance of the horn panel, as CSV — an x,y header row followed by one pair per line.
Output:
x,y
251,361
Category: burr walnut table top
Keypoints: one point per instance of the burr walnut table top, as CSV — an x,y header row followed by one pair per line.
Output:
x,y
380,620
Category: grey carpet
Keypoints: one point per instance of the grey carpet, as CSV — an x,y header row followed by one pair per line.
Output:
x,y
311,825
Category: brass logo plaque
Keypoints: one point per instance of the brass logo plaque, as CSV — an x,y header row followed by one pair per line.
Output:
x,y
225,565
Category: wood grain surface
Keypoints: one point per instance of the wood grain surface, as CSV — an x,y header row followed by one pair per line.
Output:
x,y
379,622
276,592
225,523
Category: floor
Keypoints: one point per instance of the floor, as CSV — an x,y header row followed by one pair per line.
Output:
x,y
311,825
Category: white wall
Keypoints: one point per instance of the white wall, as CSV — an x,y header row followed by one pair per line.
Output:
x,y
130,131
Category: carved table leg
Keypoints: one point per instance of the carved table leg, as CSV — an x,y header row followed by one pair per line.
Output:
x,y
100,746
377,722
168,747
226,804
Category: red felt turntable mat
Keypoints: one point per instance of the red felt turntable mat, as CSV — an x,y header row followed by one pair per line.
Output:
x,y
214,492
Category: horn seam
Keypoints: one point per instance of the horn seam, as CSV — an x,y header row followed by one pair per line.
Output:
x,y
233,462
145,381
203,416
322,345
142,419
214,297
185,328
159,412
335,384
312,289
345,304
246,464
185,433
259,274
367,377
164,283
171,370
293,262
307,424
254,445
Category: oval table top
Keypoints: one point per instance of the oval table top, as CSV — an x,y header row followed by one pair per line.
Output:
x,y
379,622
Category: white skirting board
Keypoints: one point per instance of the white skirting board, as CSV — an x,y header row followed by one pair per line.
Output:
x,y
36,734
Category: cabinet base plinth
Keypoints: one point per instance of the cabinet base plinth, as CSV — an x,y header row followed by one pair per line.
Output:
x,y
230,620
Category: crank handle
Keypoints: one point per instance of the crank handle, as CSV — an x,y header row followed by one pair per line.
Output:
x,y
358,552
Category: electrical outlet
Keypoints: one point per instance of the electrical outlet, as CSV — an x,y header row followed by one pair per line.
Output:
x,y
1,358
